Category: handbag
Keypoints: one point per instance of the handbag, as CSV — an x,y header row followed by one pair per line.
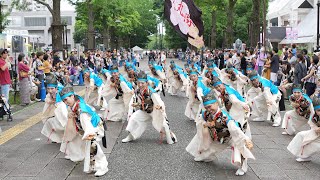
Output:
x,y
23,74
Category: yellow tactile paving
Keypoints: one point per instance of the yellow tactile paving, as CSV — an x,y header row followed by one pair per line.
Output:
x,y
24,125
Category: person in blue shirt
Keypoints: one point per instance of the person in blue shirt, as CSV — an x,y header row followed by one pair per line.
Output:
x,y
268,100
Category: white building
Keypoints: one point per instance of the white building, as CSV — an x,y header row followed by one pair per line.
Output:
x,y
296,14
37,22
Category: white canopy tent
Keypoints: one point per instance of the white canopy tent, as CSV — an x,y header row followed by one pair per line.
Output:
x,y
137,49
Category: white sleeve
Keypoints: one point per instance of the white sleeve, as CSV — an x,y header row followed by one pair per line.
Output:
x,y
85,120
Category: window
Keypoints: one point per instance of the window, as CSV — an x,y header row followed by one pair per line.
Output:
x,y
35,21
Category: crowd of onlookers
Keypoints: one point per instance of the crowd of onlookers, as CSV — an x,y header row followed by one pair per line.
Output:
x,y
32,69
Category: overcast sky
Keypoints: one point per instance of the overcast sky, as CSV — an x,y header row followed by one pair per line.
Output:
x,y
66,6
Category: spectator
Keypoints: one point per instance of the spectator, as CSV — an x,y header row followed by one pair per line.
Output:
x,y
306,57
138,58
39,73
243,63
5,80
311,78
300,70
274,66
24,84
294,49
46,65
267,66
262,58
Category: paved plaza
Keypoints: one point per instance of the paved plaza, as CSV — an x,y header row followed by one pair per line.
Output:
x,y
26,154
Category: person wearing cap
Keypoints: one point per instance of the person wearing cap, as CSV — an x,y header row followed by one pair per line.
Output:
x,y
55,113
146,105
306,143
294,119
84,130
195,91
217,131
5,80
91,81
234,104
121,91
268,99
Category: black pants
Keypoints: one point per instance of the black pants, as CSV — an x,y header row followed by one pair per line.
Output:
x,y
40,77
138,64
282,106
310,88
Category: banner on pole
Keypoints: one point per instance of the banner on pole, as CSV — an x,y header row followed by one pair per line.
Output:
x,y
185,17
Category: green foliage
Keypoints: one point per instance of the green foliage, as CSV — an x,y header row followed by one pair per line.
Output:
x,y
133,19
242,15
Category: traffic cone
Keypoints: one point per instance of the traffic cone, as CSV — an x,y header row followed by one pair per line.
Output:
x,y
43,91
80,79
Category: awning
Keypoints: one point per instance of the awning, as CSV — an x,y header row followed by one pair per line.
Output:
x,y
300,40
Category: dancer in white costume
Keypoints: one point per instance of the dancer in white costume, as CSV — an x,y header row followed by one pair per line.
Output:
x,y
92,80
294,119
307,143
55,112
122,91
176,78
85,129
216,131
267,100
253,91
146,105
234,78
195,91
234,104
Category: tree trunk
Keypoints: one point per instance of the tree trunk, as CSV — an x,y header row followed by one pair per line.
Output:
x,y
56,26
213,43
105,33
255,27
230,19
90,26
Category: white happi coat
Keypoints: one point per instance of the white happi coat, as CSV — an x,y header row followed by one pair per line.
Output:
x,y
292,121
305,143
259,105
238,84
77,148
203,148
117,109
137,121
173,82
55,117
194,105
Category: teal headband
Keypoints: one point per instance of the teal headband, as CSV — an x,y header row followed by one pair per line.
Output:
x,y
297,90
217,83
316,107
248,69
254,77
115,70
209,102
142,79
193,73
67,95
52,85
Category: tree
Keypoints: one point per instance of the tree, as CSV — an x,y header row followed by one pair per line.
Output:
x,y
255,23
56,26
